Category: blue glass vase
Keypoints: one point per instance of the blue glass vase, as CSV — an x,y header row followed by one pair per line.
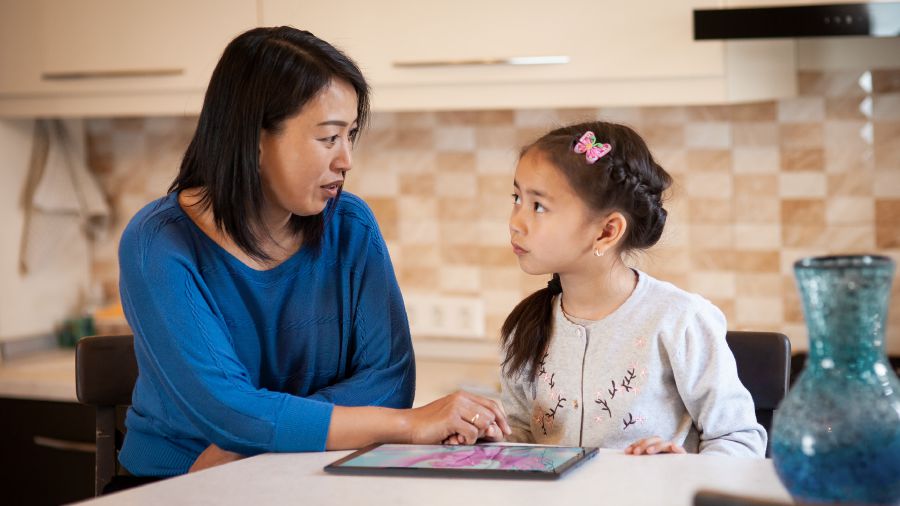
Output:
x,y
836,436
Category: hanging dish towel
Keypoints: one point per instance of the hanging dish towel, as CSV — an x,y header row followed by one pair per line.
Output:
x,y
63,202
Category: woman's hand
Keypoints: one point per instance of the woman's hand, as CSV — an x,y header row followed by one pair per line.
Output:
x,y
213,456
459,418
653,445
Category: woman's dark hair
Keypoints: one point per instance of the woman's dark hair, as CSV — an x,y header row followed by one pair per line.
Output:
x,y
627,180
265,76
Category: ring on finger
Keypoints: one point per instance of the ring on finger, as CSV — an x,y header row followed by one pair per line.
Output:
x,y
475,418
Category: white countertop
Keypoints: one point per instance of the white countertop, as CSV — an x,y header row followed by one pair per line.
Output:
x,y
609,478
46,375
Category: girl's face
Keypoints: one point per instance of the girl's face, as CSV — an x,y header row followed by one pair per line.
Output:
x,y
303,165
550,227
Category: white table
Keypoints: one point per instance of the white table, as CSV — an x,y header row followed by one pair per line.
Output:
x,y
610,478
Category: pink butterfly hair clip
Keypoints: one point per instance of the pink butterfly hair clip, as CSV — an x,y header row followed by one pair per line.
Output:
x,y
592,150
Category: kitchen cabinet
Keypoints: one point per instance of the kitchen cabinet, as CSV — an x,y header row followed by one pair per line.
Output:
x,y
463,54
47,455
96,57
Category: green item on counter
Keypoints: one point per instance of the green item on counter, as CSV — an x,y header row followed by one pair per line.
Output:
x,y
73,329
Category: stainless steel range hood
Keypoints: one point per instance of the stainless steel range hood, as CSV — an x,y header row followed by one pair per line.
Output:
x,y
876,19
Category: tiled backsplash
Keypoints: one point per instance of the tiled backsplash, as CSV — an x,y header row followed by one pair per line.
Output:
x,y
757,186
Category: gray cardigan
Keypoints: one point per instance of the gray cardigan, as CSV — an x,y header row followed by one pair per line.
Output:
x,y
657,366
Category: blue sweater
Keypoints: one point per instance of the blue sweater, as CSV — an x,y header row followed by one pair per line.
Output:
x,y
254,361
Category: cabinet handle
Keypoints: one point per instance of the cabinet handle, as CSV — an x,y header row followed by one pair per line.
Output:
x,y
515,60
62,444
104,74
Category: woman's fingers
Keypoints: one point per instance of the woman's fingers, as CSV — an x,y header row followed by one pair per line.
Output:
x,y
497,414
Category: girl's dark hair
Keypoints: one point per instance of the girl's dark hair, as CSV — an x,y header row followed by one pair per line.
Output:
x,y
265,76
627,180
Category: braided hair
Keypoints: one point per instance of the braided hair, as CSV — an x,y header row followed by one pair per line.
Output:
x,y
627,180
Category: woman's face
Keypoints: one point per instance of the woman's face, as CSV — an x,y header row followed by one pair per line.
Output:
x,y
303,165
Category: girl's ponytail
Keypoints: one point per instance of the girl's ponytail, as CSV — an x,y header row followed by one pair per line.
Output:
x,y
527,329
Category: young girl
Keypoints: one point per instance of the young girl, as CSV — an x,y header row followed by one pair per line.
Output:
x,y
607,355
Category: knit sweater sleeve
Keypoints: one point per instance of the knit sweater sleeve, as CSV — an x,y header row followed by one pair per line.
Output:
x,y
516,406
706,377
182,338
382,371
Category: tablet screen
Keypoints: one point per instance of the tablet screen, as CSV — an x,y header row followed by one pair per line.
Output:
x,y
508,458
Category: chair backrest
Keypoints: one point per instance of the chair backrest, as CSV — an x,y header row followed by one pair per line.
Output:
x,y
763,365
105,373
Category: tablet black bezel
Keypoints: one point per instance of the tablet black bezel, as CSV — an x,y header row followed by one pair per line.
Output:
x,y
338,467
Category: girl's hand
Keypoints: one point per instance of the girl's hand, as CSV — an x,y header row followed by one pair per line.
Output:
x,y
213,456
462,416
651,446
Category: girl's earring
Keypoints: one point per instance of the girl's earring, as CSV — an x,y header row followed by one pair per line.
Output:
x,y
598,253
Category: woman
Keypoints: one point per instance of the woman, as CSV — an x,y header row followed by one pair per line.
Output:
x,y
266,314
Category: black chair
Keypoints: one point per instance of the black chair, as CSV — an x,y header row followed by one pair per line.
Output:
x,y
763,366
105,373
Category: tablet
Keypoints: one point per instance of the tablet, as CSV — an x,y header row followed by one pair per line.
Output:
x,y
469,461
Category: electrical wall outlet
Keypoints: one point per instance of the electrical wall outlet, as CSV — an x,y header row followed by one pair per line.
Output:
x,y
445,316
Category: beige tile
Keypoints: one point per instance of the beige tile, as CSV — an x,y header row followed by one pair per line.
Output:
x,y
708,185
802,159
460,279
455,162
673,160
415,278
800,135
409,138
886,107
760,111
831,84
757,237
418,232
886,81
710,211
845,108
496,161
803,212
758,285
501,278
527,136
455,138
496,137
763,311
676,114
849,210
755,134
458,232
456,185
487,117
858,184
535,118
802,185
664,136
630,116
460,255
373,183
887,148
458,209
851,239
804,236
761,185
492,232
887,212
417,255
385,211
572,116
801,109
708,160
415,119
709,113
712,284
756,159
887,183
711,135
752,209
417,185
500,302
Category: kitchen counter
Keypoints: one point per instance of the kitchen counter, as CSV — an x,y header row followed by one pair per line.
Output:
x,y
46,375
609,478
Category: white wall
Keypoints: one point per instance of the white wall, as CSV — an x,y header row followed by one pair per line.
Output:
x,y
31,305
